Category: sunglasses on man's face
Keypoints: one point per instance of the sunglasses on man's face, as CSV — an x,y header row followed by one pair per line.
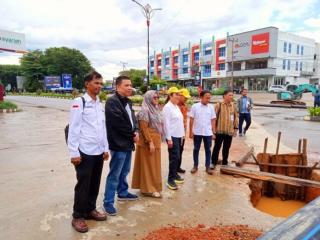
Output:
x,y
156,98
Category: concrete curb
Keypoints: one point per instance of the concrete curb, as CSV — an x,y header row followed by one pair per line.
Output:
x,y
279,105
11,110
311,119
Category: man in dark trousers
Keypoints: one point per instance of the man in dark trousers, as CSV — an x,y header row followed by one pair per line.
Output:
x,y
123,132
245,105
316,102
227,127
88,147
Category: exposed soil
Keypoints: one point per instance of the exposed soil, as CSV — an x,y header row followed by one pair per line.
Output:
x,y
234,232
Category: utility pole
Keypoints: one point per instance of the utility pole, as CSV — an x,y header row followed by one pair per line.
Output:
x,y
232,61
123,65
148,13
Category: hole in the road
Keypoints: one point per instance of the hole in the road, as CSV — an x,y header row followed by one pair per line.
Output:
x,y
272,205
283,197
41,107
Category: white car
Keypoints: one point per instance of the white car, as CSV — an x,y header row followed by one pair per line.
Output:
x,y
276,88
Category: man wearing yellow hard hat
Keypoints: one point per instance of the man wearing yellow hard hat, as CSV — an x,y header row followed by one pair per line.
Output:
x,y
174,133
184,96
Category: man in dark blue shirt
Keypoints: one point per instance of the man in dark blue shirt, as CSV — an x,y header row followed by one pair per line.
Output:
x,y
317,99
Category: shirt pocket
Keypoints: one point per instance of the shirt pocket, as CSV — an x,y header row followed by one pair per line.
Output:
x,y
89,114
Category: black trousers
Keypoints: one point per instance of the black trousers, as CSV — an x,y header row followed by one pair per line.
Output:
x,y
87,188
244,117
226,140
181,151
174,158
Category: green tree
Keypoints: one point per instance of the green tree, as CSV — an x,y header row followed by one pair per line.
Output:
x,y
157,81
136,76
65,60
8,74
32,67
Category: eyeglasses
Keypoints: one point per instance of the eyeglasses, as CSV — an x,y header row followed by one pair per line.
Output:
x,y
156,98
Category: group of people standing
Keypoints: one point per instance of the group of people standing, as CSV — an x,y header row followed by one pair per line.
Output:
x,y
96,132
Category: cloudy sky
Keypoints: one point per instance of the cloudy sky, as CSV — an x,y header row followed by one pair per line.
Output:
x,y
112,31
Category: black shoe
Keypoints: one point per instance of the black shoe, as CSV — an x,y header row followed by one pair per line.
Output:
x,y
178,179
180,170
172,185
209,171
212,166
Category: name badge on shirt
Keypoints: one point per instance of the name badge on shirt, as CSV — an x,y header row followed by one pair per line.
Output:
x,y
232,117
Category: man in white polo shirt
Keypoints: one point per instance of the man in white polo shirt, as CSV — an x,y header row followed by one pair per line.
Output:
x,y
202,127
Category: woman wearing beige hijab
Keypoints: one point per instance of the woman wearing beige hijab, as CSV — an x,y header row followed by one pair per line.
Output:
x,y
147,164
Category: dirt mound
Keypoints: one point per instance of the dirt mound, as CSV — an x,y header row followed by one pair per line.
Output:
x,y
201,232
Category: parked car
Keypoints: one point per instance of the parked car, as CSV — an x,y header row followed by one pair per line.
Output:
x,y
237,90
276,88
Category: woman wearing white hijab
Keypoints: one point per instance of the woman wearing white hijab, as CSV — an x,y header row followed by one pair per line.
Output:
x,y
147,164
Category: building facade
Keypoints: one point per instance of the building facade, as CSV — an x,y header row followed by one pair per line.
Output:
x,y
255,60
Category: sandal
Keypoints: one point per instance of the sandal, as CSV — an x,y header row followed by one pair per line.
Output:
x,y
154,195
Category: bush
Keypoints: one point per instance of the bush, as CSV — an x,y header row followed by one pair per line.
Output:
x,y
39,91
170,84
193,91
162,101
143,89
314,111
137,99
218,91
155,82
103,96
190,102
8,105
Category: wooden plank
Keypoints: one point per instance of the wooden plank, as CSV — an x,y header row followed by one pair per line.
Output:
x,y
245,158
278,143
268,177
304,224
265,145
304,152
299,145
289,165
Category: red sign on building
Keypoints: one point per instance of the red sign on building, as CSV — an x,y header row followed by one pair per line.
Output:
x,y
260,43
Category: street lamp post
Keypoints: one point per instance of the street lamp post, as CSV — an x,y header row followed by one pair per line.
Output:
x,y
232,60
148,13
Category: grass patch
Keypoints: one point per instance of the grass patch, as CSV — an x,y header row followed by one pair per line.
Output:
x,y
8,105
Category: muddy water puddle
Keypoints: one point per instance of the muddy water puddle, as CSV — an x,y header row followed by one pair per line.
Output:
x,y
278,208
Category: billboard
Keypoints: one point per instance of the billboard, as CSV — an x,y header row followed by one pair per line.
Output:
x,y
67,81
52,82
12,41
260,43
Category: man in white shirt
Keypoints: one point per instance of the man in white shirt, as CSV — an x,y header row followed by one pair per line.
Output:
x,y
88,147
174,132
202,126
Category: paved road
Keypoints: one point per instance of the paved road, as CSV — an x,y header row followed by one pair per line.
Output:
x,y
290,122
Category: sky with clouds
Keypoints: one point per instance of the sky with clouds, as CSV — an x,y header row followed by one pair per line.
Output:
x,y
112,31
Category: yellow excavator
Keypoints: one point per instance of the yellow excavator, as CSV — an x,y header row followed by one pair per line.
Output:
x,y
293,94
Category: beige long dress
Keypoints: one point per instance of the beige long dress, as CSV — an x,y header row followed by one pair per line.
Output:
x,y
147,166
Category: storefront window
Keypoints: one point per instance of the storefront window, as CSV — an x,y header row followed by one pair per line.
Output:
x,y
258,84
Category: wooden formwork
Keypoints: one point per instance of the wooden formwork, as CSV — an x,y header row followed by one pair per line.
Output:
x,y
292,166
